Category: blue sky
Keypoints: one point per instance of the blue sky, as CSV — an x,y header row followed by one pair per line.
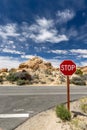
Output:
x,y
53,30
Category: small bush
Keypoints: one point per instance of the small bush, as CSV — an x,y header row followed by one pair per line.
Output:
x,y
1,79
23,75
23,82
63,113
84,107
78,81
84,77
79,72
11,77
15,76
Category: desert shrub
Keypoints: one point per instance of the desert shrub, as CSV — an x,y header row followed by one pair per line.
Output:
x,y
23,75
79,72
63,113
22,82
1,79
84,107
11,77
84,77
77,81
14,77
62,78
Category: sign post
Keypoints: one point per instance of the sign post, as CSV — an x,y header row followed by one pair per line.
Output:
x,y
68,93
68,67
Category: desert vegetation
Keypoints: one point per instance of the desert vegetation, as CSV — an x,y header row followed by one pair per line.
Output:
x,y
63,113
20,78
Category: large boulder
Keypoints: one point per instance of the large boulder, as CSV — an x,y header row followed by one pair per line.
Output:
x,y
32,63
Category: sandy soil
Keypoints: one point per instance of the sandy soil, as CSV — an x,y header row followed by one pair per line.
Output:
x,y
6,83
48,120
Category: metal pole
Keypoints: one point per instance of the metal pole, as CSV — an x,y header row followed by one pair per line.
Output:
x,y
68,93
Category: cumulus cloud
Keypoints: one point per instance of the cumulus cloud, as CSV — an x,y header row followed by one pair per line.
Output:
x,y
65,15
44,31
81,53
9,62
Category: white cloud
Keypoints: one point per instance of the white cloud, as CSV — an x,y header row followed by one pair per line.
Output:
x,y
12,51
8,30
28,56
45,23
11,37
65,15
59,51
8,62
79,51
84,56
45,31
42,31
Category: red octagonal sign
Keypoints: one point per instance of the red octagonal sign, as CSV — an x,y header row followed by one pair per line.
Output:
x,y
67,67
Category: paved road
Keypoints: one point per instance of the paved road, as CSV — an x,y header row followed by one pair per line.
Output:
x,y
32,100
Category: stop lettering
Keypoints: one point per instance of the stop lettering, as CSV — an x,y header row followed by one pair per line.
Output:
x,y
67,67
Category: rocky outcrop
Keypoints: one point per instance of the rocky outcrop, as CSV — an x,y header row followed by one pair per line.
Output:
x,y
3,70
33,63
42,72
36,64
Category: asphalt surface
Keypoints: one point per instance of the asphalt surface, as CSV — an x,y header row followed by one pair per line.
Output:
x,y
32,100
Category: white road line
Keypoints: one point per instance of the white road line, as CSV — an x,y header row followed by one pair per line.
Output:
x,y
23,115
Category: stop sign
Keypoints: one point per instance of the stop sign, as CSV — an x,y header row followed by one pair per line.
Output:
x,y
67,67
